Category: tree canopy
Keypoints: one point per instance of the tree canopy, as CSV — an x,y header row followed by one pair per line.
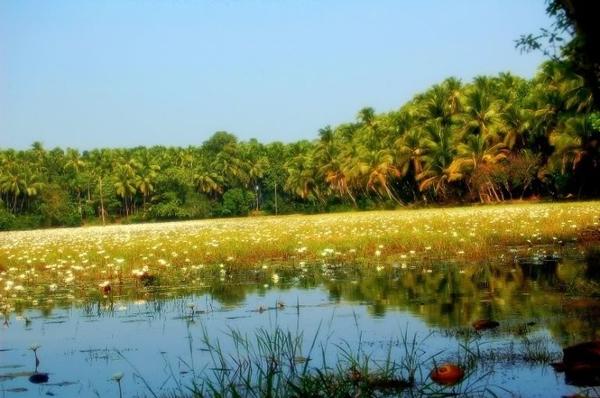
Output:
x,y
492,139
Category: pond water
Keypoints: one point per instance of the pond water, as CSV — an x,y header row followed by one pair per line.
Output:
x,y
156,338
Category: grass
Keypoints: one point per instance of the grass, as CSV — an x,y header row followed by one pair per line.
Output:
x,y
276,363
79,263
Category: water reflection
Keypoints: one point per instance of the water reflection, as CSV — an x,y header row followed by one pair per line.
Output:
x,y
555,298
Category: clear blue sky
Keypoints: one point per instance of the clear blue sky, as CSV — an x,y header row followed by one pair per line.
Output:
x,y
121,73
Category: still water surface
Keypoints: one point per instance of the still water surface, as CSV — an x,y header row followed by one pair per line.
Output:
x,y
155,339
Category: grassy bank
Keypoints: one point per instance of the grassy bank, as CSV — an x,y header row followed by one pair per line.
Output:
x,y
81,261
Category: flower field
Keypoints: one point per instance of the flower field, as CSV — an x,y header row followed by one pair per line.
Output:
x,y
65,265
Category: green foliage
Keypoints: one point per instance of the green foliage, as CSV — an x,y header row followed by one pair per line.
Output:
x,y
28,221
493,139
7,220
57,209
237,202
573,39
167,208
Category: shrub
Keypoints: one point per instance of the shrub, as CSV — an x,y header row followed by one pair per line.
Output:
x,y
236,202
7,220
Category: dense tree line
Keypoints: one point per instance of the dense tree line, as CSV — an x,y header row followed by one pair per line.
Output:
x,y
493,139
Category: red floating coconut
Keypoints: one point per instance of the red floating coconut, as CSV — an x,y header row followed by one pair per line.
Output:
x,y
447,374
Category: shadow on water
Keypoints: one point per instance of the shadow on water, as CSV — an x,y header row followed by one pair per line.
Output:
x,y
37,377
581,364
592,259
540,268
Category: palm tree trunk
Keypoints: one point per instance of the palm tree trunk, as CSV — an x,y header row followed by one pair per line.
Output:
x,y
349,192
275,197
101,201
79,202
391,195
525,189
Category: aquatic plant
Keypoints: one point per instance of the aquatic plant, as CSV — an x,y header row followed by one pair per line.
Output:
x,y
43,267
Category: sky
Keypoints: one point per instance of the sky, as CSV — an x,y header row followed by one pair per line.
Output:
x,y
123,73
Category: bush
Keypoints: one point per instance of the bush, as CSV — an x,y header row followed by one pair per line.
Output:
x,y
366,204
28,221
339,208
55,208
167,210
237,202
7,220
197,206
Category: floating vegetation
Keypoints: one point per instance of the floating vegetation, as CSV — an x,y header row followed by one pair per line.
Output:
x,y
470,275
48,267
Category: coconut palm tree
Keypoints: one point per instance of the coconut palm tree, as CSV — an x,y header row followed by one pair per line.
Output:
x,y
75,164
473,157
354,167
516,123
440,151
301,177
440,104
125,185
208,182
574,141
101,163
381,173
231,166
146,180
482,112
21,183
335,177
410,151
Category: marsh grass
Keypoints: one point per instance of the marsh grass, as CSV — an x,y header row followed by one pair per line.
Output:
x,y
527,350
276,363
58,267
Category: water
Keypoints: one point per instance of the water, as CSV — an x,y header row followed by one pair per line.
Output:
x,y
155,339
